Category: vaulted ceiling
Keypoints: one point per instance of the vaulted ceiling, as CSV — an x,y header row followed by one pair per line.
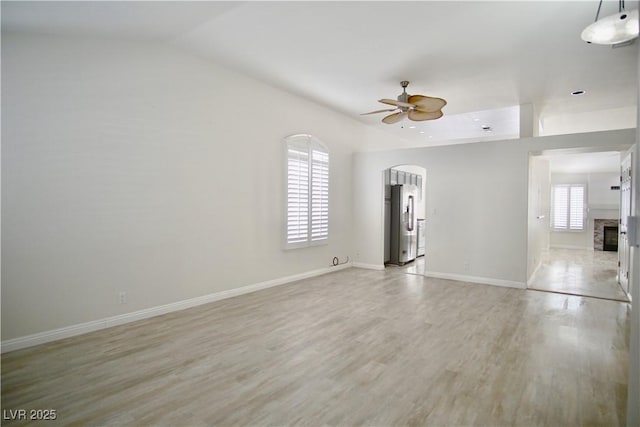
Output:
x,y
485,58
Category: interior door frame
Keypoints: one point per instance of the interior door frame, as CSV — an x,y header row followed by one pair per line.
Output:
x,y
626,194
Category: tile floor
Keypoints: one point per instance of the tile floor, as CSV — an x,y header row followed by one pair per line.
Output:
x,y
579,272
568,271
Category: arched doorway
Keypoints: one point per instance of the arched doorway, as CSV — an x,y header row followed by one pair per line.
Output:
x,y
404,218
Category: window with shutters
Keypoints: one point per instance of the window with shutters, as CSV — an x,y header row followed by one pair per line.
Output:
x,y
307,192
568,207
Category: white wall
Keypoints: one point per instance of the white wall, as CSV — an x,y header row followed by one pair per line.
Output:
x,y
138,168
601,196
602,203
538,212
560,122
633,394
476,202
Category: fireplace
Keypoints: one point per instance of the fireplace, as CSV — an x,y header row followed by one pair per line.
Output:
x,y
610,240
599,226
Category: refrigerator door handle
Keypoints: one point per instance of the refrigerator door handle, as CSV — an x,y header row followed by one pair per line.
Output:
x,y
411,216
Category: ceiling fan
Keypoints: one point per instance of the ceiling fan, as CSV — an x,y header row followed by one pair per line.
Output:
x,y
417,107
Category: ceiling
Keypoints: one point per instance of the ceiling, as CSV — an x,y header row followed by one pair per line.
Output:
x,y
485,58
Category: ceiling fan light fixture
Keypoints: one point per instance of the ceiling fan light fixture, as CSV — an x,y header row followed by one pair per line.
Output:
x,y
613,29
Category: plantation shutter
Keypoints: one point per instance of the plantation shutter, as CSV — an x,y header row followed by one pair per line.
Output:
x,y
307,192
560,206
576,205
319,195
297,194
568,207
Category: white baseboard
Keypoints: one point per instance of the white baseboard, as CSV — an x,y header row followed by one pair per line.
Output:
x,y
96,325
476,279
368,266
582,248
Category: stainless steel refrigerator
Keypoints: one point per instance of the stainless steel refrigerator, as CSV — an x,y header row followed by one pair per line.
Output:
x,y
403,232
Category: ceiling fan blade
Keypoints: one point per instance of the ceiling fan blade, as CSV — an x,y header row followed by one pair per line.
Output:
x,y
427,104
394,118
379,111
419,116
396,103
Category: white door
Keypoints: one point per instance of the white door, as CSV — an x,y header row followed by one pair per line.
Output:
x,y
625,211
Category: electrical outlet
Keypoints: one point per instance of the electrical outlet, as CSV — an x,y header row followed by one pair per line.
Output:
x,y
122,297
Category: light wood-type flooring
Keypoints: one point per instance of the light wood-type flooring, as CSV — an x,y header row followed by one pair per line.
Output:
x,y
580,272
354,347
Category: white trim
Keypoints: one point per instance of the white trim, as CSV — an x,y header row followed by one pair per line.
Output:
x,y
476,279
582,248
378,267
96,325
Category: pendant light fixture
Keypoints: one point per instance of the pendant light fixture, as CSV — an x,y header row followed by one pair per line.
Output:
x,y
614,29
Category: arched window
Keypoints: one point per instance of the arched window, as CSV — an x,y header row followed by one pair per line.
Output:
x,y
307,192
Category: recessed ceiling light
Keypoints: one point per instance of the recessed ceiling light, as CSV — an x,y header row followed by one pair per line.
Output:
x,y
476,119
421,131
412,127
577,92
486,128
430,136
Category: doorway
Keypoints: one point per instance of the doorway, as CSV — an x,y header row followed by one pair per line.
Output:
x,y
404,219
575,203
